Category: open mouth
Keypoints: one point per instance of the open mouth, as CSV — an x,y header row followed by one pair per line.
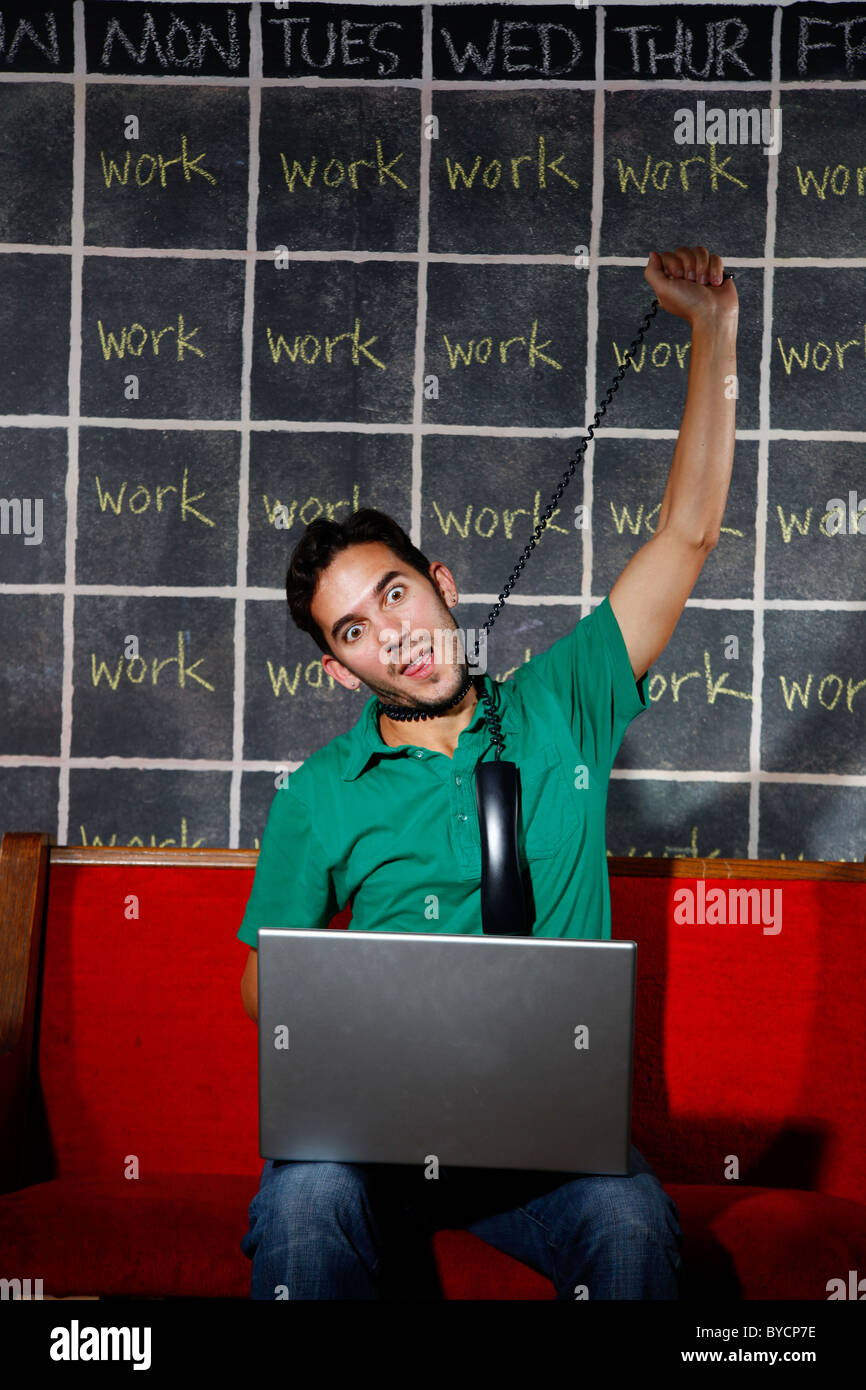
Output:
x,y
420,667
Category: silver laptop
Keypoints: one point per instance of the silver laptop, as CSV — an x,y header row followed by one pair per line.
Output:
x,y
480,1051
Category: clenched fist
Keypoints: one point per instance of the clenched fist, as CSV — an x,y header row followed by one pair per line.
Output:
x,y
688,283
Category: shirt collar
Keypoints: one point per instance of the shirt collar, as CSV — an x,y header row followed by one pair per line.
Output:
x,y
366,742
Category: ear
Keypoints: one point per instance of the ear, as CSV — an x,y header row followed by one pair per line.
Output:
x,y
332,667
442,577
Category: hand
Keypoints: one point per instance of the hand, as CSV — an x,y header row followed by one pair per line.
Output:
x,y
688,283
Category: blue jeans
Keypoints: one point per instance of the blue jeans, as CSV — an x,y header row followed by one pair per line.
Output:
x,y
352,1230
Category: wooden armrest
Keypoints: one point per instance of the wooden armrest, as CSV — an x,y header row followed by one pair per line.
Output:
x,y
23,877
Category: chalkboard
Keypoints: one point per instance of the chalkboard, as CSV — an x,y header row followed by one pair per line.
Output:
x,y
34,335
153,512
485,501
264,264
182,183
514,177
335,341
153,678
314,168
629,486
807,548
692,43
161,338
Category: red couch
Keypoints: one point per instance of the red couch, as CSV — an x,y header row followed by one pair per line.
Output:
x,y
120,978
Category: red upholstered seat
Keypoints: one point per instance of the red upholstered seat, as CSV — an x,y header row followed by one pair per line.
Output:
x,y
177,1235
740,1243
748,1046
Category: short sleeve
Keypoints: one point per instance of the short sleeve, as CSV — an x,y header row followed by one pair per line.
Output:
x,y
293,886
588,674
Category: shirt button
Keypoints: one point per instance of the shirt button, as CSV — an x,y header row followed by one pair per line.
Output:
x,y
457,780
461,816
420,753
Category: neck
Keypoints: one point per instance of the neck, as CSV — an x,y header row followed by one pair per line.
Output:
x,y
429,730
400,713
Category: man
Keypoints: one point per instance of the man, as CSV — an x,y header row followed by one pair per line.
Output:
x,y
385,815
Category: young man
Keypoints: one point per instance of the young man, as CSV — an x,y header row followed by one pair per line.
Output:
x,y
385,815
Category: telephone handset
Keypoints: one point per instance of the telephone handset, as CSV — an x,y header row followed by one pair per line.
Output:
x,y
503,907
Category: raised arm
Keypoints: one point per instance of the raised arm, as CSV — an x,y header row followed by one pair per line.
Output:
x,y
651,592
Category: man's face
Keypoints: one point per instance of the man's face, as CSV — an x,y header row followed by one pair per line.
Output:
x,y
378,615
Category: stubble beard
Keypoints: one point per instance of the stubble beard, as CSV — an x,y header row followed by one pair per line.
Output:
x,y
391,696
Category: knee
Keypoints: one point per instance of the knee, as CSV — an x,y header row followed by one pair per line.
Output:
x,y
638,1209
312,1193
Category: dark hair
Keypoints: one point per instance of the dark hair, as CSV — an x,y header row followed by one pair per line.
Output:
x,y
322,540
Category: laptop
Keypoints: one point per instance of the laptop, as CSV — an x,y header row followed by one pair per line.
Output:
x,y
479,1051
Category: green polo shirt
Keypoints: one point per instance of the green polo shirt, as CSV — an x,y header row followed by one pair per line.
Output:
x,y
396,829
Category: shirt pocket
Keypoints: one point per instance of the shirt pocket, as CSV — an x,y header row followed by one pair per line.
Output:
x,y
549,810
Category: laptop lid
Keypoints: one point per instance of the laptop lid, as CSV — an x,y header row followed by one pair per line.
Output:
x,y
481,1051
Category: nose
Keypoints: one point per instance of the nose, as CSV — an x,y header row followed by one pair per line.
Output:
x,y
395,644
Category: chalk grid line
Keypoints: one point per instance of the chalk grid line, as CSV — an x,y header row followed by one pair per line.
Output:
x,y
74,388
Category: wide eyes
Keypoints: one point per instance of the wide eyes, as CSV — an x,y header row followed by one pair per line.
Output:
x,y
397,588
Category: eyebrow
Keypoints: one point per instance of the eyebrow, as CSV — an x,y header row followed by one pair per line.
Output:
x,y
353,617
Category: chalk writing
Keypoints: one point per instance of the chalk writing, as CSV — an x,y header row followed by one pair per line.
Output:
x,y
852,50
282,514
139,664
178,47
723,38
821,354
479,350
314,677
140,499
308,347
134,338
327,54
503,46
492,174
333,173
687,851
838,185
146,165
660,355
11,42
658,173
828,693
183,843
659,684
827,526
486,528
623,519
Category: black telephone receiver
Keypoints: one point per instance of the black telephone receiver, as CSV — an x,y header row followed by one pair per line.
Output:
x,y
497,783
502,903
